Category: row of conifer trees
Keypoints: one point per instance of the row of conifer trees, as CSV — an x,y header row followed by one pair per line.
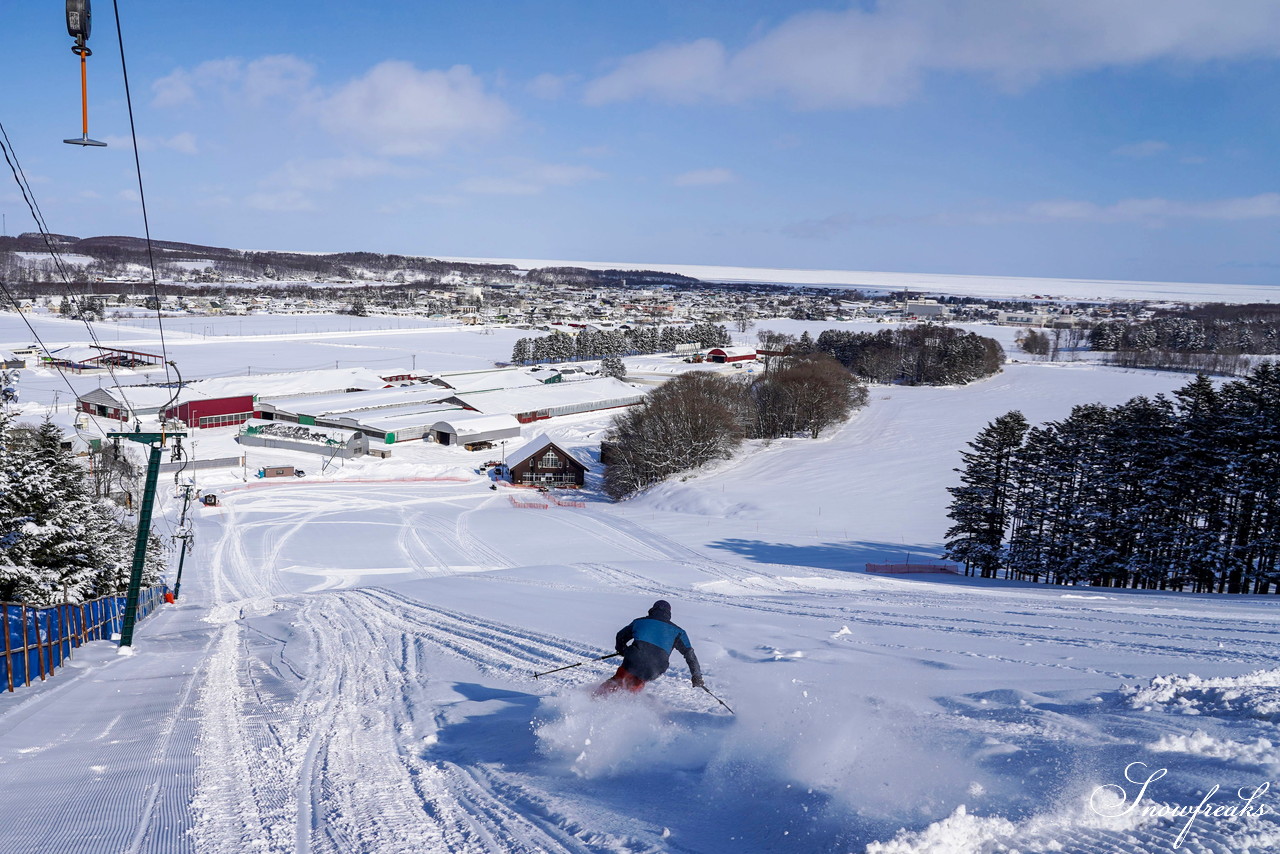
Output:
x,y
59,541
1180,493
560,346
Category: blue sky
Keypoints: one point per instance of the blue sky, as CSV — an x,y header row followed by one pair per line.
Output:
x,y
1131,139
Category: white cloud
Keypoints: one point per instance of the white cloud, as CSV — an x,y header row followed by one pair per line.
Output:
x,y
183,143
1157,210
284,76
282,201
255,82
1149,148
529,179
392,109
704,178
327,173
396,109
855,58
680,73
550,87
293,186
500,187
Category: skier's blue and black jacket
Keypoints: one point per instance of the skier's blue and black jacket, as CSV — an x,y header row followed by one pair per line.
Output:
x,y
651,640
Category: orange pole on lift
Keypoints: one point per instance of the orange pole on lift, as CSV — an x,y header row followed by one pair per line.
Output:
x,y
84,92
78,27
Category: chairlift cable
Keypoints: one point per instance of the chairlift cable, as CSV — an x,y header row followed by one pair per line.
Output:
x,y
142,196
33,205
18,308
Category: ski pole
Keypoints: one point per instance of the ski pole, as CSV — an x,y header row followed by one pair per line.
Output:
x,y
718,700
579,664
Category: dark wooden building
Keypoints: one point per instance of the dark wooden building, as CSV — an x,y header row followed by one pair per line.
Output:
x,y
544,463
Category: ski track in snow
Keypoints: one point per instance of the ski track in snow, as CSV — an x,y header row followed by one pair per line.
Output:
x,y
342,772
336,760
336,768
365,652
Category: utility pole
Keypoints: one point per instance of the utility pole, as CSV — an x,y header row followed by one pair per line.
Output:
x,y
184,534
157,442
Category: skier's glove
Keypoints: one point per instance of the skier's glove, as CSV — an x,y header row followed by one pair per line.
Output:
x,y
698,683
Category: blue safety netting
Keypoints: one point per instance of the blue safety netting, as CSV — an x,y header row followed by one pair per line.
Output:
x,y
38,640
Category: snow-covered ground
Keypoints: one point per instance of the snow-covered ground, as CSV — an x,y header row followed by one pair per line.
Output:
x,y
350,666
950,284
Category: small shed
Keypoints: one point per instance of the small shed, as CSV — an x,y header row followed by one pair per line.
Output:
x,y
474,428
544,463
724,355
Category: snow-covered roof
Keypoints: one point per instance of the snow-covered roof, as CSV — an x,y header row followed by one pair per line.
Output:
x,y
541,396
268,386
535,446
141,399
75,354
471,423
359,401
394,418
473,381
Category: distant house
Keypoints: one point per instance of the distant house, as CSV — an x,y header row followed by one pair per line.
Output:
x,y
544,463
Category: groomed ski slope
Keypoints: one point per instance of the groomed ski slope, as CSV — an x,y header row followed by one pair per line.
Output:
x,y
350,671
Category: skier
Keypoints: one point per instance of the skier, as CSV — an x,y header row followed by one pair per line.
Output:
x,y
647,657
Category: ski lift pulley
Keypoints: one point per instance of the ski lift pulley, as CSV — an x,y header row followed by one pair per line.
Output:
x,y
79,22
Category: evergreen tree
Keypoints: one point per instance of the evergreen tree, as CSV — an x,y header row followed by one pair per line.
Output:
x,y
1201,460
49,493
980,505
612,366
561,346
586,344
1151,493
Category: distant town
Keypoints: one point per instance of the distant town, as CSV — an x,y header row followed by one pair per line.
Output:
x,y
105,277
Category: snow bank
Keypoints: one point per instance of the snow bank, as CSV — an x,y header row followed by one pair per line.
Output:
x,y
1260,752
1054,831
1252,695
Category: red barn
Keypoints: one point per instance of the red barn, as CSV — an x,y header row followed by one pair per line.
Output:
x,y
731,354
213,412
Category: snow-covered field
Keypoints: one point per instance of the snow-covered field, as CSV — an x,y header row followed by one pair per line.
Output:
x,y
350,666
950,284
